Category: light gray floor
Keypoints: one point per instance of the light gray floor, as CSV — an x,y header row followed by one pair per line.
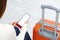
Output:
x,y
16,8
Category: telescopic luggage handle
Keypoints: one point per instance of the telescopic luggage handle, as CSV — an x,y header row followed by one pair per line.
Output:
x,y
57,15
50,7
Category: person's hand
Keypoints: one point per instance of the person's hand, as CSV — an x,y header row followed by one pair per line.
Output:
x,y
14,23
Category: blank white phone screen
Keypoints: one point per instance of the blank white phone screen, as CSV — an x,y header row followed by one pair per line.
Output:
x,y
24,19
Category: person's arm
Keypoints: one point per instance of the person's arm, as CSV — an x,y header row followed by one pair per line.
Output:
x,y
23,30
21,36
17,28
22,33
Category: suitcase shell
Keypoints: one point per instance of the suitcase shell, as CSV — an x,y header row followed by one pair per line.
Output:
x,y
37,36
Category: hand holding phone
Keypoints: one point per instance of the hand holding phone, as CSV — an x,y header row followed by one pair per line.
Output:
x,y
24,18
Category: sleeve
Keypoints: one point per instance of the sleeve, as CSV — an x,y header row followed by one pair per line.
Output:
x,y
22,33
17,31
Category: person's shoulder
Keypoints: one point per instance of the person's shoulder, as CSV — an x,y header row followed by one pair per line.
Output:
x,y
5,26
7,32
9,27
2,26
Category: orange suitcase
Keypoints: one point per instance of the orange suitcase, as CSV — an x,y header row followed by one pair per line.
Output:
x,y
47,29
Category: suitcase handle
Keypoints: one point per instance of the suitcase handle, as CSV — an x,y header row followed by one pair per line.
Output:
x,y
50,7
57,15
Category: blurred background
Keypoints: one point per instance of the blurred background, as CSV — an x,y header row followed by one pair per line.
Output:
x,y
17,8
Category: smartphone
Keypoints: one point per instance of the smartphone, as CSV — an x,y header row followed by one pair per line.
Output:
x,y
24,18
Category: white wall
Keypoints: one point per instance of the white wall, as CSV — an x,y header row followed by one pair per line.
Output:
x,y
16,8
